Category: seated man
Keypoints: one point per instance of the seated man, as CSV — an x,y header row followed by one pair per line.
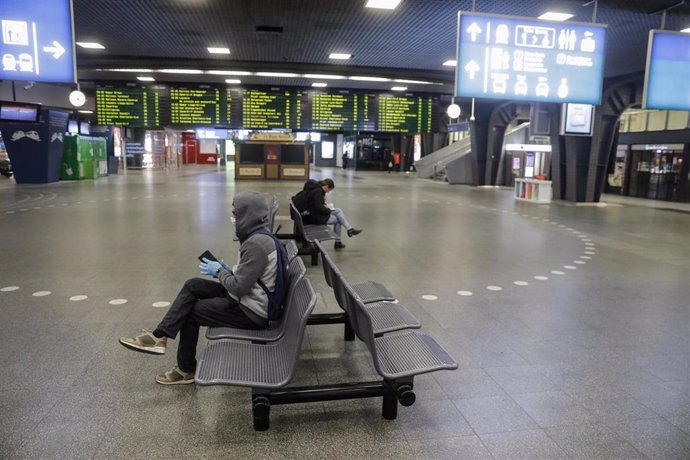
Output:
x,y
236,301
311,203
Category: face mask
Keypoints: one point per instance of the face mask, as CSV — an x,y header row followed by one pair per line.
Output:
x,y
233,219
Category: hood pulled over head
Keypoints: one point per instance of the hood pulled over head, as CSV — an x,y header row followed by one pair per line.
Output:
x,y
251,213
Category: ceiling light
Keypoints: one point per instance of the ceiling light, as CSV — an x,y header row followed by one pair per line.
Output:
x,y
318,84
383,4
399,88
339,56
86,111
277,74
128,70
228,72
555,16
412,82
450,63
181,71
146,79
319,76
213,50
687,31
91,45
233,81
370,79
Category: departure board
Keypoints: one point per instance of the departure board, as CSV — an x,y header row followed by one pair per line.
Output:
x,y
340,112
407,114
198,105
271,109
127,106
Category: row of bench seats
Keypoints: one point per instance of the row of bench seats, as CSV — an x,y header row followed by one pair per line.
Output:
x,y
265,359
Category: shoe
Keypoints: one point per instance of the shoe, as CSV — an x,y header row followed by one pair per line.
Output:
x,y
175,376
145,343
338,245
353,231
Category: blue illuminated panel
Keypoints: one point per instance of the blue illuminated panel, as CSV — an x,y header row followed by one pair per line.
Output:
x,y
667,80
505,57
37,42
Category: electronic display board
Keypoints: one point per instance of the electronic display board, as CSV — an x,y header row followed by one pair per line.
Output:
x,y
269,109
506,57
198,105
407,114
667,77
340,111
37,41
128,106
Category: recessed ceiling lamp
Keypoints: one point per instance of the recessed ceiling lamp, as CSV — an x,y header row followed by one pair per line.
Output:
x,y
450,63
356,78
318,76
214,50
146,79
86,111
341,56
555,16
233,81
277,74
412,82
399,88
383,4
319,84
91,45
181,71
128,70
228,72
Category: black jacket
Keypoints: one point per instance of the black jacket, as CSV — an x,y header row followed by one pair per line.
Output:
x,y
311,203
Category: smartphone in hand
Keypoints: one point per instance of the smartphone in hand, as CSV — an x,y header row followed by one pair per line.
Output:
x,y
208,256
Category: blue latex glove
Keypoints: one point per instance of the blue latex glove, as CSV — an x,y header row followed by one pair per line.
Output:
x,y
209,267
225,265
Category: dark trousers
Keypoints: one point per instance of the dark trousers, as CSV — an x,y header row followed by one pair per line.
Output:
x,y
201,302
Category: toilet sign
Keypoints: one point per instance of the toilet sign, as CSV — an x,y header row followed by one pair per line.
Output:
x,y
37,42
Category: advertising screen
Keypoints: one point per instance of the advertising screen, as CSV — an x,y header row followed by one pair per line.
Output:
x,y
37,41
667,79
576,119
506,57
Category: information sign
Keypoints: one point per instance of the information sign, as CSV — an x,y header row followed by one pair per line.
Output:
x,y
407,114
198,105
127,106
37,41
271,109
667,78
505,57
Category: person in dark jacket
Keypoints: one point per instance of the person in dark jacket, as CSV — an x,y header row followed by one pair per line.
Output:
x,y
311,203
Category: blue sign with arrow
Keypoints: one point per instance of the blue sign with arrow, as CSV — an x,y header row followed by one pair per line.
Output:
x,y
37,42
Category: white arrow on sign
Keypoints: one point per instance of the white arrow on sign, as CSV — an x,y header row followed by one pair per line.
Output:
x,y
474,30
56,50
472,67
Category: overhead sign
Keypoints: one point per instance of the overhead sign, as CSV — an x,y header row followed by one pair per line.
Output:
x,y
37,41
506,57
667,78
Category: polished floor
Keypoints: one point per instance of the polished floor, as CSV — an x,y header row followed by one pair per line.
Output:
x,y
570,324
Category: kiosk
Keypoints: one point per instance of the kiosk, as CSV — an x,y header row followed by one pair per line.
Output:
x,y
272,156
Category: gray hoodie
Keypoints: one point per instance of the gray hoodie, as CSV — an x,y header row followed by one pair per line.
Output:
x,y
257,258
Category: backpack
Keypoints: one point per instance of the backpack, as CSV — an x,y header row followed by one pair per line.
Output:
x,y
278,298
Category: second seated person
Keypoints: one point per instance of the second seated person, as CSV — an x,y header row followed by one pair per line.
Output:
x,y
311,203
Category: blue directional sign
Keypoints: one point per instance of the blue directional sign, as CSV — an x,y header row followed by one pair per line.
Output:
x,y
506,57
37,41
667,79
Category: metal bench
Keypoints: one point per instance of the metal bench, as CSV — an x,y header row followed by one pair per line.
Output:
x,y
262,367
308,234
276,329
387,316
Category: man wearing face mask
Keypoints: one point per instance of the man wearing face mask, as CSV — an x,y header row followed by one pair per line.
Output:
x,y
235,300
311,203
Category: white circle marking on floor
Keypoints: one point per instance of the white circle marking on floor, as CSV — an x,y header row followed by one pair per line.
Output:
x,y
585,257
590,253
161,304
579,262
494,288
77,298
557,272
118,302
41,293
429,297
520,283
541,278
465,293
570,267
9,288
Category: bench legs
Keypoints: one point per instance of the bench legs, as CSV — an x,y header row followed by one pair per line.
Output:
x,y
261,412
333,318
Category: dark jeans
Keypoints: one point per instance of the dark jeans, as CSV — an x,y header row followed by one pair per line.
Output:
x,y
201,302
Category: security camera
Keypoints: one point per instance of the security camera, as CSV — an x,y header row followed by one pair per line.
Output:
x,y
29,85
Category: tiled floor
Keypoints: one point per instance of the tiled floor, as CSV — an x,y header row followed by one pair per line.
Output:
x,y
570,324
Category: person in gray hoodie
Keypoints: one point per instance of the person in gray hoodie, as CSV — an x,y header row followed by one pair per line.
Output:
x,y
235,300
